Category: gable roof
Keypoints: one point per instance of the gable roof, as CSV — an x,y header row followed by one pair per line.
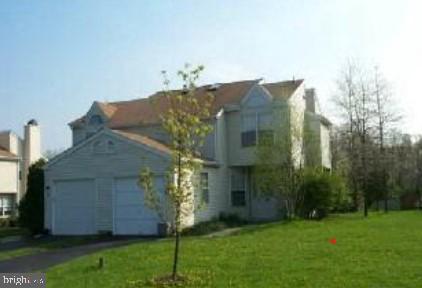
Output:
x,y
148,110
153,145
6,154
283,89
144,140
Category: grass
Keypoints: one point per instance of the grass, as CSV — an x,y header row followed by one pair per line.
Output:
x,y
381,251
43,245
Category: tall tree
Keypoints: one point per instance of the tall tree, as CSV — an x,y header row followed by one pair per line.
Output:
x,y
355,100
345,100
386,116
185,122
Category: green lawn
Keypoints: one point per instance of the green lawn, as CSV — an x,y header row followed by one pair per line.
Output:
x,y
382,251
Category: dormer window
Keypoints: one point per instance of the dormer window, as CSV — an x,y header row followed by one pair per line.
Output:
x,y
95,120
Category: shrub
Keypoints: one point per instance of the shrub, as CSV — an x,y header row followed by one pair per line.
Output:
x,y
322,192
31,207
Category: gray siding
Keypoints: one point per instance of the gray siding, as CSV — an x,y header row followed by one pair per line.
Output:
x,y
218,176
156,132
257,101
82,163
78,135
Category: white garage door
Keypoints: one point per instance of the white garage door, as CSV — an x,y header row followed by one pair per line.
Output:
x,y
131,216
74,207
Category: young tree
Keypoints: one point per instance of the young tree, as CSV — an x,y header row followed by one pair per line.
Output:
x,y
185,122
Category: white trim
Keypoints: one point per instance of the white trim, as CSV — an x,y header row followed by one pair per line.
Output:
x,y
267,96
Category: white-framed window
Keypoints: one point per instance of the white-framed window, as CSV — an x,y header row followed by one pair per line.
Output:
x,y
265,127
7,204
238,188
205,190
249,130
256,126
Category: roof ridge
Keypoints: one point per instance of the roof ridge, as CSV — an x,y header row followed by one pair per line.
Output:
x,y
175,90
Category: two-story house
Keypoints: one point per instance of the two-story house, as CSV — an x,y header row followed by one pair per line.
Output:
x,y
92,186
16,155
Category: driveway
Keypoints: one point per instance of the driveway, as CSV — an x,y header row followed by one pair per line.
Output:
x,y
45,260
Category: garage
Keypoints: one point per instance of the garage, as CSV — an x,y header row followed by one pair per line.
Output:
x,y
74,207
131,216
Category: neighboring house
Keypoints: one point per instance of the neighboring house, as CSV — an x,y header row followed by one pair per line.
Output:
x,y
92,186
16,155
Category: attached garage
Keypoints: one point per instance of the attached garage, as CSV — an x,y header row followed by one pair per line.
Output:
x,y
74,207
92,188
131,215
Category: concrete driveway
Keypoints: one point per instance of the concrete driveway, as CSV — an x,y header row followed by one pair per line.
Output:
x,y
44,260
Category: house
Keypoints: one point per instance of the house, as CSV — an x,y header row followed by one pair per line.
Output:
x,y
92,187
16,155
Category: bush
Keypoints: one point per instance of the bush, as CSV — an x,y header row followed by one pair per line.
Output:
x,y
322,192
31,207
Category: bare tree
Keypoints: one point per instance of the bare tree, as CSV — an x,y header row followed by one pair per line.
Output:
x,y
386,116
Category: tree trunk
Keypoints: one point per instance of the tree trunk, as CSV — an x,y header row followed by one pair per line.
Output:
x,y
386,203
176,254
365,206
177,219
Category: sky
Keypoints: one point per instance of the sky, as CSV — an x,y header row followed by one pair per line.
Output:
x,y
57,57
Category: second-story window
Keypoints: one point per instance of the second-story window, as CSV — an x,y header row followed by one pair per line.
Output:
x,y
256,127
249,130
265,124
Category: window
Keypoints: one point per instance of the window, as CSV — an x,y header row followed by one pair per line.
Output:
x,y
248,138
238,189
7,205
205,192
95,120
249,130
265,131
256,127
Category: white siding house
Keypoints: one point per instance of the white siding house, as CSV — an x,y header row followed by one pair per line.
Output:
x,y
16,155
92,187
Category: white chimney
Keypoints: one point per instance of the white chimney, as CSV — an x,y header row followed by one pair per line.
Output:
x,y
310,99
32,143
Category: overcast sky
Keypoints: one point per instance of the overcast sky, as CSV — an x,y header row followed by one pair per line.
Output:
x,y
57,57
